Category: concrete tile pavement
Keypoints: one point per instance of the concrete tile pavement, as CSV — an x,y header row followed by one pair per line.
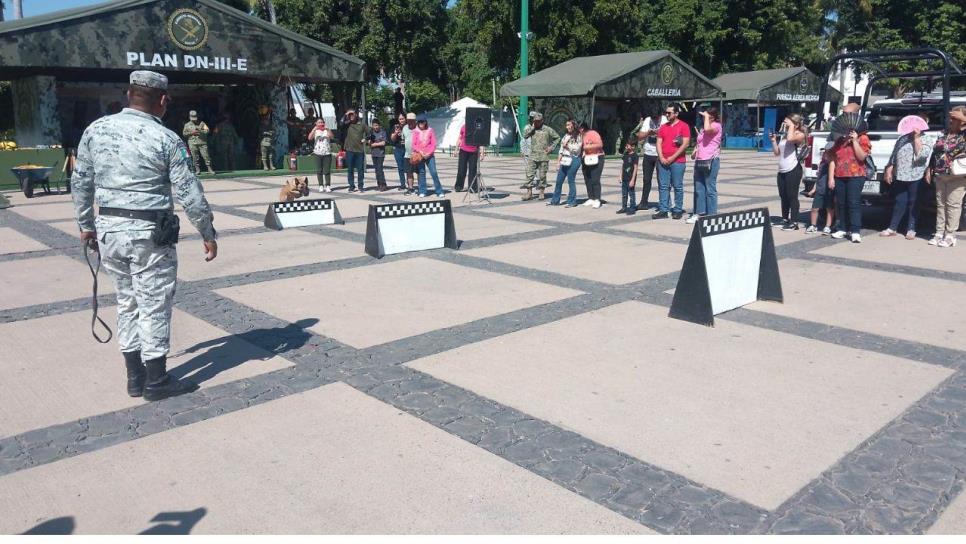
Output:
x,y
918,435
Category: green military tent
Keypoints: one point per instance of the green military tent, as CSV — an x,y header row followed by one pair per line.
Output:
x,y
611,91
70,67
744,94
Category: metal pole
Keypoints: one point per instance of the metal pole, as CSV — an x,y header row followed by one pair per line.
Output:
x,y
524,57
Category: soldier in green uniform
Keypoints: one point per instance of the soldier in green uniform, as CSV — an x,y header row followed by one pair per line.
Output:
x,y
197,134
542,141
134,169
267,143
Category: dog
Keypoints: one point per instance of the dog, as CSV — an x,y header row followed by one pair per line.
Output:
x,y
294,188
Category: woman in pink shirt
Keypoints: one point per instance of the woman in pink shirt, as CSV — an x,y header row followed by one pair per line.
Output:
x,y
424,143
593,150
706,163
467,161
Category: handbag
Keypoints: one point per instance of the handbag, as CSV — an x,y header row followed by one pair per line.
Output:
x,y
958,166
591,160
416,158
566,160
704,165
870,169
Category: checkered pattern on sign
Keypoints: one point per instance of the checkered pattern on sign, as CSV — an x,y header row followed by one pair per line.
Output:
x,y
730,222
403,210
303,205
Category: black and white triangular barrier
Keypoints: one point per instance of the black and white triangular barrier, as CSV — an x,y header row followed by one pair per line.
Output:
x,y
398,228
730,262
302,213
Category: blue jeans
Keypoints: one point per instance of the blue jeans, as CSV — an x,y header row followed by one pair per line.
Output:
x,y
355,162
848,195
706,189
400,154
429,162
907,196
666,177
570,173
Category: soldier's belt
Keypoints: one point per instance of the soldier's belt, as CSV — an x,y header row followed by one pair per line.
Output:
x,y
145,215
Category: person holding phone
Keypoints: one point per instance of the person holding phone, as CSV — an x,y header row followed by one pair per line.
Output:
x,y
672,142
789,169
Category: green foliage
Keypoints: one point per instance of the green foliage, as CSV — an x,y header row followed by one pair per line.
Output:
x,y
424,96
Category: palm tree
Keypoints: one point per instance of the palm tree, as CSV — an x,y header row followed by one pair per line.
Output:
x,y
269,7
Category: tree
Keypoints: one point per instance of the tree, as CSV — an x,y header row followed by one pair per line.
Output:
x,y
424,96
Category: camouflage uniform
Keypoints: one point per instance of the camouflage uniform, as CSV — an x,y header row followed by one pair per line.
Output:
x,y
540,139
130,160
198,143
266,145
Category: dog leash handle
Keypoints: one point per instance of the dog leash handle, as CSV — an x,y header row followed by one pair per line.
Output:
x,y
90,248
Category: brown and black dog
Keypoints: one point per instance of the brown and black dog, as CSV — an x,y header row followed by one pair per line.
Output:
x,y
294,188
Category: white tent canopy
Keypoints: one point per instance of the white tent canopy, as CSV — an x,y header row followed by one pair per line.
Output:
x,y
448,120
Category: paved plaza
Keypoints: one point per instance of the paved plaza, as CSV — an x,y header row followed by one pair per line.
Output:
x,y
529,382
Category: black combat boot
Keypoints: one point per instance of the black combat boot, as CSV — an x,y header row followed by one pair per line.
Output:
x,y
135,372
161,385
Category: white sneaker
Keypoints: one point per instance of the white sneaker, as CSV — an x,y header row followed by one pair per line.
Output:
x,y
321,189
826,231
811,229
328,188
936,239
588,202
422,195
856,238
597,204
838,235
692,219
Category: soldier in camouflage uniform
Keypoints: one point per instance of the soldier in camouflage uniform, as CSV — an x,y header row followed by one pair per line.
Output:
x,y
227,141
267,143
131,165
197,134
542,141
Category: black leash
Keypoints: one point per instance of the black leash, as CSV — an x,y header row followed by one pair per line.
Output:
x,y
90,247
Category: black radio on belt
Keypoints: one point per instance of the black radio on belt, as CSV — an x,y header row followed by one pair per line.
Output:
x,y
167,225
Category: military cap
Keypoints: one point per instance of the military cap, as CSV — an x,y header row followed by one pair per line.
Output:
x,y
537,116
192,114
146,78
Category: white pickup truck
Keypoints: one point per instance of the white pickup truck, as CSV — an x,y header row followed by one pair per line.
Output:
x,y
883,118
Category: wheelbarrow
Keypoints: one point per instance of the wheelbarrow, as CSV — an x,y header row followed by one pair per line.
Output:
x,y
30,175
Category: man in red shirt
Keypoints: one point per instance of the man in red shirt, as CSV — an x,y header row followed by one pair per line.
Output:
x,y
672,141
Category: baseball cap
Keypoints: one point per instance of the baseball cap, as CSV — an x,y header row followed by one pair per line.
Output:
x,y
410,116
147,78
192,114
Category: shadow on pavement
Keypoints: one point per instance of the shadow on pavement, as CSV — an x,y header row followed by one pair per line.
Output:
x,y
233,350
168,523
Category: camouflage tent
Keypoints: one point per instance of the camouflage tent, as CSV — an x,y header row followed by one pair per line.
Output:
x,y
611,91
778,85
195,41
645,74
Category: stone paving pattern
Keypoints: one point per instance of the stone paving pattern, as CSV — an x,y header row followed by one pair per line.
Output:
x,y
528,382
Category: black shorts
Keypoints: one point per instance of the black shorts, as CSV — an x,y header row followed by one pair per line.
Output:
x,y
824,197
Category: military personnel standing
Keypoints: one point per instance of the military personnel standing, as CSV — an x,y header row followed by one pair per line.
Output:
x,y
542,141
267,143
197,134
134,168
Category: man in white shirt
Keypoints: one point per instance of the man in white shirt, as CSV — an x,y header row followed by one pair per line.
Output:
x,y
646,132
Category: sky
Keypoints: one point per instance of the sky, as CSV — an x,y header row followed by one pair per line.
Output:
x,y
36,7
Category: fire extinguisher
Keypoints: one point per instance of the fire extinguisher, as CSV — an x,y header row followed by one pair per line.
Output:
x,y
293,161
340,160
